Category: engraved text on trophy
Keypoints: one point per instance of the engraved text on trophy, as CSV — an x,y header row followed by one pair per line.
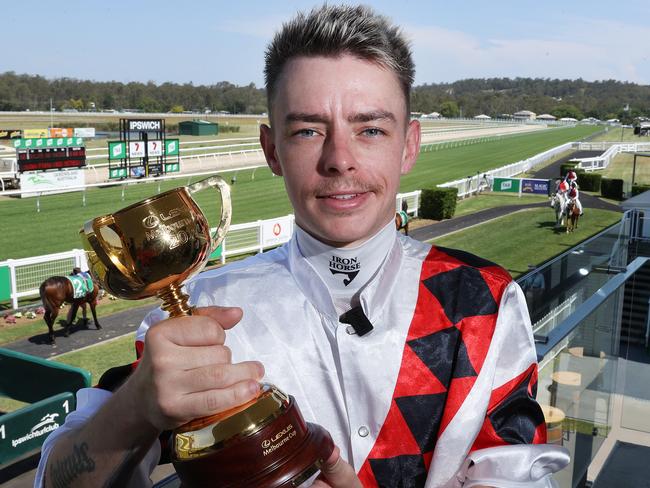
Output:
x,y
163,227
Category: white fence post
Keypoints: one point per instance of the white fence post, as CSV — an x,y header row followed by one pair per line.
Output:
x,y
12,279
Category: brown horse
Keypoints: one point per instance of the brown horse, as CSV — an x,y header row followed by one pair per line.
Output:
x,y
573,214
400,218
57,290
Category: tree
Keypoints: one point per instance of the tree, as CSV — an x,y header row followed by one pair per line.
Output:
x,y
572,111
449,109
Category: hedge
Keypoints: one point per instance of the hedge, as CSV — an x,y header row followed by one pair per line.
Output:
x,y
611,188
589,181
569,165
438,203
636,189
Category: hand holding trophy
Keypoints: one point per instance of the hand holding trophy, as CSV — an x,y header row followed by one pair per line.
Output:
x,y
150,249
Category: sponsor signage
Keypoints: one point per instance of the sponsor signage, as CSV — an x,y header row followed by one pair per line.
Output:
x,y
44,143
276,231
117,150
21,433
154,148
145,124
172,167
58,181
35,133
117,173
171,147
11,133
539,187
136,149
509,185
84,132
60,132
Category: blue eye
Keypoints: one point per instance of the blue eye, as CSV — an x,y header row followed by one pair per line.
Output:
x,y
373,131
306,132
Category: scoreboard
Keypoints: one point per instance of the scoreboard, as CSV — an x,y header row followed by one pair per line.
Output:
x,y
44,154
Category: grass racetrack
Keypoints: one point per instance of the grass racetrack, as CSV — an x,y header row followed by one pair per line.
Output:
x,y
24,232
526,237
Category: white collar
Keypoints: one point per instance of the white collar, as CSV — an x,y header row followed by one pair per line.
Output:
x,y
372,298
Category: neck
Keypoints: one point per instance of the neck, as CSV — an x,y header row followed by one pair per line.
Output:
x,y
346,271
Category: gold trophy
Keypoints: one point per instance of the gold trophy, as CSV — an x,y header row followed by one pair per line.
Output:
x,y
150,249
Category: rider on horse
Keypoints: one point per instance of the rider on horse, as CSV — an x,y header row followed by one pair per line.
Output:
x,y
574,195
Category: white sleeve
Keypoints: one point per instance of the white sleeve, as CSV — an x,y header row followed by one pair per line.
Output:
x,y
526,466
89,400
513,413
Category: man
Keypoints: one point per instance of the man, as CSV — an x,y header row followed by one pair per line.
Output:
x,y
439,393
574,194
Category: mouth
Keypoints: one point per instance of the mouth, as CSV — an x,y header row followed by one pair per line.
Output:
x,y
342,196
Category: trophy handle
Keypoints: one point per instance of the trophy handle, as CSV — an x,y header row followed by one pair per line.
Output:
x,y
92,230
218,183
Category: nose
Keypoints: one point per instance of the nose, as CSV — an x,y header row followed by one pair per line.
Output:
x,y
337,156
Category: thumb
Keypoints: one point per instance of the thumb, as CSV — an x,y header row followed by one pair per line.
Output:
x,y
226,316
338,473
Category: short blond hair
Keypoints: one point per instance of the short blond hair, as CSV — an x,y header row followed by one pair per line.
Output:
x,y
336,30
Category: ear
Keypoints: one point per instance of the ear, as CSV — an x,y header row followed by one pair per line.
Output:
x,y
411,146
268,146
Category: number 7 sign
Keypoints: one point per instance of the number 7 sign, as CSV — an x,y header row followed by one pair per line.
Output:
x,y
136,149
154,148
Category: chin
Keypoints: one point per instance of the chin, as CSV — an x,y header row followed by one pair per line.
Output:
x,y
346,235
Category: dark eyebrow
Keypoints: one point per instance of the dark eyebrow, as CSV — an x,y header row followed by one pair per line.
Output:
x,y
370,116
306,117
323,119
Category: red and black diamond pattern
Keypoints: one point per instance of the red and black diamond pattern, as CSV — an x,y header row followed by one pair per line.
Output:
x,y
446,346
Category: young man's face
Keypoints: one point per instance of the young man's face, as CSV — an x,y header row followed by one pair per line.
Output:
x,y
341,140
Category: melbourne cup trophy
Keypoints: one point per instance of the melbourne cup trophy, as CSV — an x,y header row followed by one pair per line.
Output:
x,y
150,249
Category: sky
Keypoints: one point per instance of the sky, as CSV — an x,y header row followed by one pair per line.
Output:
x,y
207,41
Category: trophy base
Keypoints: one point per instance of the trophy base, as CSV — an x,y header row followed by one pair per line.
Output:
x,y
284,453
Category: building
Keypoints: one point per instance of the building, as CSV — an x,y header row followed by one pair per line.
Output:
x,y
548,117
525,115
198,128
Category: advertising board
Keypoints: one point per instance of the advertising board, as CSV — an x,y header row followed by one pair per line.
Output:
x,y
58,181
276,231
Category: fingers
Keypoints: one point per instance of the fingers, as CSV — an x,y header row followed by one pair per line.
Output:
x,y
186,370
205,327
336,473
220,376
209,402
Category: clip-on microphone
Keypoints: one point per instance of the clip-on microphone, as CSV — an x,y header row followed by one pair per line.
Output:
x,y
358,320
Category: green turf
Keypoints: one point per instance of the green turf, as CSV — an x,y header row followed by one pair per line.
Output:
x,y
526,237
97,359
490,200
623,165
450,164
24,232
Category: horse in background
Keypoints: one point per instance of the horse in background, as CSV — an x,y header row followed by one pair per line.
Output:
x,y
573,214
56,291
402,218
558,204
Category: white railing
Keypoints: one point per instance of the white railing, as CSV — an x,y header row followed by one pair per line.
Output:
x,y
27,274
479,182
557,315
612,149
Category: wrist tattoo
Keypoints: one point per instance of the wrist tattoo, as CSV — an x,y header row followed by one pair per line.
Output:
x,y
66,470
